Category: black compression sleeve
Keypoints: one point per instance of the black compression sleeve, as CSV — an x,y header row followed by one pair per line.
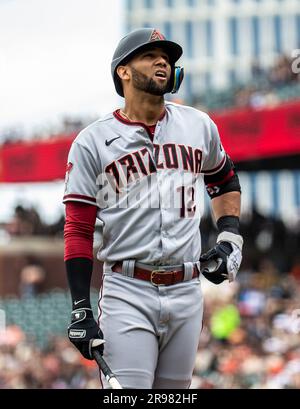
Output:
x,y
79,273
229,223
224,181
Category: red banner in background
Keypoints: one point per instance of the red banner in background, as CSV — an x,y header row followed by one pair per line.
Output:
x,y
246,134
35,161
249,134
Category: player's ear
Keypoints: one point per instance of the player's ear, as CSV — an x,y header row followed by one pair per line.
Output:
x,y
123,72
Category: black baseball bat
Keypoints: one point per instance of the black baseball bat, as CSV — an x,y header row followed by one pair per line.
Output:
x,y
107,372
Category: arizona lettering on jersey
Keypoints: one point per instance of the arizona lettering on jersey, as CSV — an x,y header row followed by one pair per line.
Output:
x,y
140,163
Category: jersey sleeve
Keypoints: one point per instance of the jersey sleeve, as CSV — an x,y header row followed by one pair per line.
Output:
x,y
215,156
81,176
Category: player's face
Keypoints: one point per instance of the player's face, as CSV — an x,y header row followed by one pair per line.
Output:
x,y
151,71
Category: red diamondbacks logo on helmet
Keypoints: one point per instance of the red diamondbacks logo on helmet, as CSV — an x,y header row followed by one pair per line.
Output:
x,y
156,35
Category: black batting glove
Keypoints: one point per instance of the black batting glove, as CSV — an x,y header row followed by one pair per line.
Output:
x,y
216,262
85,333
223,261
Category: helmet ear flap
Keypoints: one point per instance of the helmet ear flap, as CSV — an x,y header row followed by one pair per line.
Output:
x,y
176,79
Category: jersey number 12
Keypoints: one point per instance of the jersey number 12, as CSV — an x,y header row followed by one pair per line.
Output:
x,y
187,201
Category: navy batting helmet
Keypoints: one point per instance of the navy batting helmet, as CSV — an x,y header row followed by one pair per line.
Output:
x,y
140,40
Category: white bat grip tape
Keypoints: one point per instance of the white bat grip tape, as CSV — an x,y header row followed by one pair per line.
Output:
x,y
113,382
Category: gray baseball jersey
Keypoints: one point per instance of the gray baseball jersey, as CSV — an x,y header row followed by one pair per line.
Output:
x,y
148,190
155,218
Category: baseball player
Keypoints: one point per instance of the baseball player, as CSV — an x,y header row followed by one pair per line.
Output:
x,y
139,170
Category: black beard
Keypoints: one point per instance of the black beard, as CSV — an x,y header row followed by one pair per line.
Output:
x,y
143,83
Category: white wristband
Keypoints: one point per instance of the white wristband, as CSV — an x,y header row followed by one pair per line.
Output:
x,y
232,238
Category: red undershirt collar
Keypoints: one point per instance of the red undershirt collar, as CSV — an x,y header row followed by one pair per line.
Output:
x,y
149,128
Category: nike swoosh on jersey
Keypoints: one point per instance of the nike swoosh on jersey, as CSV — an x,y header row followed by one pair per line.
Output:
x,y
107,143
77,302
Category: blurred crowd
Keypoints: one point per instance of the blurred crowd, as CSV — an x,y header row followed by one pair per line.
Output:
x,y
266,85
27,222
25,366
250,336
66,126
280,73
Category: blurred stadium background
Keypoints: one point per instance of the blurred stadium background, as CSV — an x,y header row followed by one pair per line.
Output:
x,y
240,59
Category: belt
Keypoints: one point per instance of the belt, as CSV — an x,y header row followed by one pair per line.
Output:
x,y
157,277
